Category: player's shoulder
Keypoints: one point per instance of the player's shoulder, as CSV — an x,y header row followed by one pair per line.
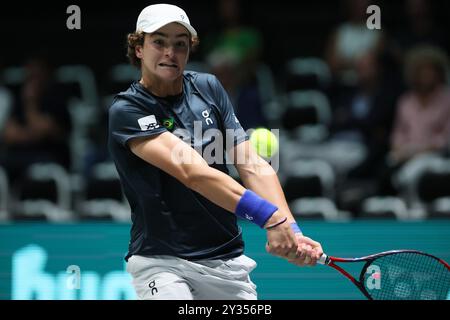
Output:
x,y
202,79
132,99
119,105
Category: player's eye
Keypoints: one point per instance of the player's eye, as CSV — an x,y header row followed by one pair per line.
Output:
x,y
181,44
158,42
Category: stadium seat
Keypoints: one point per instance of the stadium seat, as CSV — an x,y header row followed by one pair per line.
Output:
x,y
82,79
422,181
120,76
79,80
384,208
309,178
13,75
6,103
433,189
4,195
434,184
308,73
44,194
309,189
12,78
271,106
318,208
307,115
83,117
266,83
103,198
79,84
440,208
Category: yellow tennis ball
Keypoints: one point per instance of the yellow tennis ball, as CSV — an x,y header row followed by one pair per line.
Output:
x,y
264,142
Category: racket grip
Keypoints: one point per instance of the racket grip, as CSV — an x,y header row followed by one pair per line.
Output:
x,y
322,259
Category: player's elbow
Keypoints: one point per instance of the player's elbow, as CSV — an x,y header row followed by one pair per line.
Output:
x,y
255,169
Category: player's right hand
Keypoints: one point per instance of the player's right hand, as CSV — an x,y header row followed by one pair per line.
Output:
x,y
281,240
308,251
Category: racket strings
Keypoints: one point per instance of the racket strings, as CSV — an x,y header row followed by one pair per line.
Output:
x,y
407,276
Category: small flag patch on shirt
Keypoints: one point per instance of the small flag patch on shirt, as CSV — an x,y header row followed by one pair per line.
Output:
x,y
148,123
168,123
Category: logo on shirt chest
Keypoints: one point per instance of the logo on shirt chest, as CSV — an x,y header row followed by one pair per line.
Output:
x,y
206,114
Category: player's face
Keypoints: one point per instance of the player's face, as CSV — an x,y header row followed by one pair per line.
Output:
x,y
165,52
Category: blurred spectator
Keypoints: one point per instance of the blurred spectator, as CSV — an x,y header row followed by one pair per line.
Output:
x,y
97,151
360,129
423,118
422,123
419,28
39,124
351,40
365,114
233,55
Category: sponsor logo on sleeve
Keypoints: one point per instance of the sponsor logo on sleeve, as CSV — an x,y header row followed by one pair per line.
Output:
x,y
148,123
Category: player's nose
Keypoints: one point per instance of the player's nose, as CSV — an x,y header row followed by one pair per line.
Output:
x,y
169,51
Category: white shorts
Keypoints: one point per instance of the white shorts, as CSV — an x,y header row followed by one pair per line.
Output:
x,y
172,278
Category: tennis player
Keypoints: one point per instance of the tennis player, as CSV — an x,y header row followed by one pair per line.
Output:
x,y
185,242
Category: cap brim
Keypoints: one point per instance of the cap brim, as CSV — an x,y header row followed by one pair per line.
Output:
x,y
161,24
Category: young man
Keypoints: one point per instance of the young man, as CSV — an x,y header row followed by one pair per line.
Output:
x,y
185,242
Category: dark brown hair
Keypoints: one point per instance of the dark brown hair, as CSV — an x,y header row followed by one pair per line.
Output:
x,y
137,39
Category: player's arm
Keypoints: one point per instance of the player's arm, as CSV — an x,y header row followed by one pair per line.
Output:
x,y
259,176
175,157
172,155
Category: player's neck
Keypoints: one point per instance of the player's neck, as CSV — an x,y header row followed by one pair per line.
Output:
x,y
162,88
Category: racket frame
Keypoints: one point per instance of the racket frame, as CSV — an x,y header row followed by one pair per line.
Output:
x,y
330,261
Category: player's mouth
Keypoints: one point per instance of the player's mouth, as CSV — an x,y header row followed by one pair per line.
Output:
x,y
168,65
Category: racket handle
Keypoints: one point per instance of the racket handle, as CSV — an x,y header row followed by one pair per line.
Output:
x,y
323,259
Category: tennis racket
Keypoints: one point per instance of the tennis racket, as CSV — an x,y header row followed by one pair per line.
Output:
x,y
398,275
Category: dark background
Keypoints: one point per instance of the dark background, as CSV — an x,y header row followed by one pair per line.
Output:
x,y
289,29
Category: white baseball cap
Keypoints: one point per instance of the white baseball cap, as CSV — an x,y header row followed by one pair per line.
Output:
x,y
156,16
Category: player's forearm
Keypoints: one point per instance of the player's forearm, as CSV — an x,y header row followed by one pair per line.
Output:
x,y
263,180
223,190
216,186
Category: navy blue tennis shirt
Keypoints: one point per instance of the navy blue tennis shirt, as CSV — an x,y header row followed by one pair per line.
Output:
x,y
167,217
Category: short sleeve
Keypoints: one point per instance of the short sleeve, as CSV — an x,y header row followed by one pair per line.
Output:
x,y
229,119
127,121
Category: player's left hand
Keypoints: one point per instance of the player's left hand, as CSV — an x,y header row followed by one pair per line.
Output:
x,y
308,251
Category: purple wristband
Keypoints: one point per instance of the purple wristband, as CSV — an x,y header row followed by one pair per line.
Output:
x,y
295,228
254,208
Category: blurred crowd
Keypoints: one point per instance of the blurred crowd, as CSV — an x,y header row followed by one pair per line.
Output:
x,y
365,109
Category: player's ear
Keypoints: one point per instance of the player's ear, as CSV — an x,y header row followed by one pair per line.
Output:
x,y
138,51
